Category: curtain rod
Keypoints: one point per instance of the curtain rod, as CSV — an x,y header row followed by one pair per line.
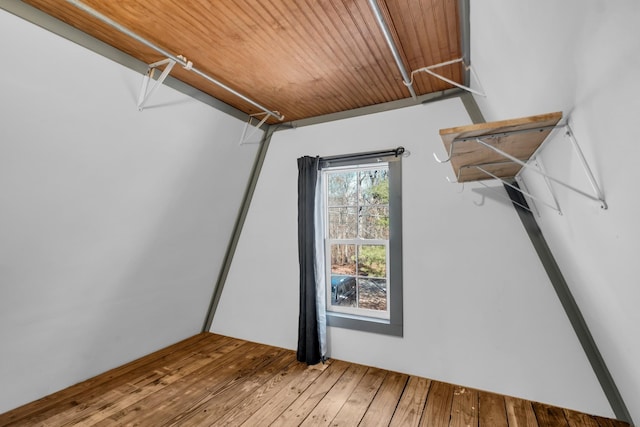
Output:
x,y
78,4
397,152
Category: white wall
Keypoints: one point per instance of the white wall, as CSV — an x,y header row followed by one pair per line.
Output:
x,y
113,222
478,308
582,58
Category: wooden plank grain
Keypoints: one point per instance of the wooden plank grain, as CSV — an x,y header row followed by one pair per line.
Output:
x,y
219,380
211,409
609,422
492,411
307,401
358,402
330,405
437,411
464,408
105,401
384,404
262,395
73,396
578,419
549,416
412,402
284,398
520,413
191,389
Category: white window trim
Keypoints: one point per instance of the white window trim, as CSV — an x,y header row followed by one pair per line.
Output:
x,y
393,324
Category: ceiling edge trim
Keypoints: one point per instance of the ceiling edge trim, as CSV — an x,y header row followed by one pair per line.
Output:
x,y
465,38
376,108
66,31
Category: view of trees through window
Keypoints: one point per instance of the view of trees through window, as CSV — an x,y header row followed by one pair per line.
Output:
x,y
358,235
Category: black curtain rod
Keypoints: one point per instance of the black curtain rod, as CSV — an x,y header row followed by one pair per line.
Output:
x,y
397,152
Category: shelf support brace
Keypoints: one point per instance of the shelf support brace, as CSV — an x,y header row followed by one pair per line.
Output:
x,y
145,92
430,68
597,198
508,184
496,192
587,169
245,137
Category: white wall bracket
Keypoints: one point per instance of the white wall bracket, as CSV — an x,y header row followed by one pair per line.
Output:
x,y
244,139
598,197
145,92
503,150
430,68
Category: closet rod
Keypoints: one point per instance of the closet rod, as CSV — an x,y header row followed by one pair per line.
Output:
x,y
392,46
179,60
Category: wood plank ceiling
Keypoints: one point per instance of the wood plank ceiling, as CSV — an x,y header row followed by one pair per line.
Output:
x,y
301,58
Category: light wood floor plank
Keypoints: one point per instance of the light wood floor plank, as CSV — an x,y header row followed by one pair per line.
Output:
x,y
464,408
112,397
384,404
579,419
520,413
412,402
607,422
215,380
284,399
216,405
492,411
71,397
330,405
437,412
189,390
360,399
549,416
300,408
261,396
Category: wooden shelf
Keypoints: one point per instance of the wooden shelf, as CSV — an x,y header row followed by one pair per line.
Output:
x,y
519,138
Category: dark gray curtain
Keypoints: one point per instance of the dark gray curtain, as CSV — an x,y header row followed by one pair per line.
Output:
x,y
308,340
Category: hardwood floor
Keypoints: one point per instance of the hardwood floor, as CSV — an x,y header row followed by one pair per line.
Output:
x,y
215,380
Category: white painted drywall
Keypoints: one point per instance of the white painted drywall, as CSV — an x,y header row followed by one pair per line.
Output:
x,y
582,58
478,308
113,222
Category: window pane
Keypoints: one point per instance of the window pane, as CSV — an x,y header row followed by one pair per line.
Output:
x,y
343,188
343,290
342,223
343,259
372,294
374,222
374,187
372,260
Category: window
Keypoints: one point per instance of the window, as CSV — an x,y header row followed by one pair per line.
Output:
x,y
363,245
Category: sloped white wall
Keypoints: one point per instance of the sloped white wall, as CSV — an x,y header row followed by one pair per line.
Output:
x,y
113,222
478,307
582,58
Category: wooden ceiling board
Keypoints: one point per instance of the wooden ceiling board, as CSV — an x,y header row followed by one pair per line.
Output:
x,y
302,58
519,138
429,32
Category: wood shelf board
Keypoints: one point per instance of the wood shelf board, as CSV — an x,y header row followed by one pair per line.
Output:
x,y
510,136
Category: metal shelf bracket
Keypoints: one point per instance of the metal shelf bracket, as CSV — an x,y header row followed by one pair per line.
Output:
x,y
145,92
599,196
244,139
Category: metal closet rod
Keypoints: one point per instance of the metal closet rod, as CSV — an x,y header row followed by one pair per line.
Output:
x,y
175,58
394,49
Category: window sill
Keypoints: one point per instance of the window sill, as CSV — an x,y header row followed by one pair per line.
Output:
x,y
365,324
